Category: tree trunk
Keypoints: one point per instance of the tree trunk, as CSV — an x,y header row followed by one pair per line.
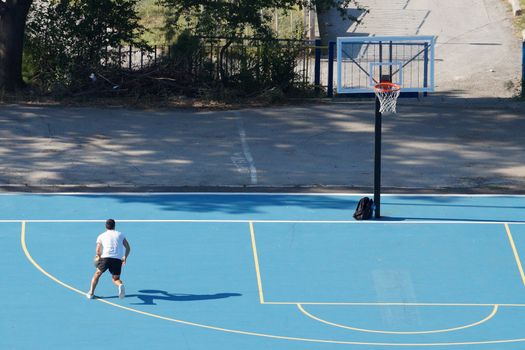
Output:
x,y
223,74
13,14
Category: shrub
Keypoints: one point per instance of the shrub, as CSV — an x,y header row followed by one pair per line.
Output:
x,y
67,40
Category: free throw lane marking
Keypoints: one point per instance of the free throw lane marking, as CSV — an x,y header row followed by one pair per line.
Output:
x,y
494,310
256,261
391,304
515,251
264,335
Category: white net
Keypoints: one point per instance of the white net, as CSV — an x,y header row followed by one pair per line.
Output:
x,y
387,93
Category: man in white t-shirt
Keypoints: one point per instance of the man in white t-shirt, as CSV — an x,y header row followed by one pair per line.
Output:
x,y
110,256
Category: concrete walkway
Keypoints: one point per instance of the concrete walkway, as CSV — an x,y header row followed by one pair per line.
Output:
x,y
478,52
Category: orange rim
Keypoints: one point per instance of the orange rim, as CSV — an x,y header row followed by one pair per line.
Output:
x,y
387,87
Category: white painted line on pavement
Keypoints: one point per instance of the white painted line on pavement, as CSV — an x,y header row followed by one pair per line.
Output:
x,y
246,149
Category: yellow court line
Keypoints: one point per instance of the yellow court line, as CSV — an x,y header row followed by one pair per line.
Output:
x,y
494,311
515,251
391,304
24,247
263,335
256,261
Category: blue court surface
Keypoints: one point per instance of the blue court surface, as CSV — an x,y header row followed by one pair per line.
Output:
x,y
265,271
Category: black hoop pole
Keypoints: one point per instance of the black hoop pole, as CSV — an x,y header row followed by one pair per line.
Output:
x,y
377,161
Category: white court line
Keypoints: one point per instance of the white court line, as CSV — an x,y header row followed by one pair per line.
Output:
x,y
269,221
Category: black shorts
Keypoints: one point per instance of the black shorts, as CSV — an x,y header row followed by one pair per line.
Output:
x,y
114,265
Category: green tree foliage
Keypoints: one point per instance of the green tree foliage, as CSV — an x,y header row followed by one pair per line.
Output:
x,y
228,18
232,19
66,40
152,17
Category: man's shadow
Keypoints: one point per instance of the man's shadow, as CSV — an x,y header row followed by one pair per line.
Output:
x,y
149,296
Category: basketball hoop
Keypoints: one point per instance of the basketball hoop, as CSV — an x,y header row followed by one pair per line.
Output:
x,y
387,93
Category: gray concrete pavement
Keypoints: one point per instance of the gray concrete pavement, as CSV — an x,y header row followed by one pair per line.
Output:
x,y
478,52
464,138
428,146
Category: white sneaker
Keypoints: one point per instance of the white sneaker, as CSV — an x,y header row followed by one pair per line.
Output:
x,y
89,295
121,291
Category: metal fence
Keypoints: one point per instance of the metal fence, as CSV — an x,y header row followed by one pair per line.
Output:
x,y
239,55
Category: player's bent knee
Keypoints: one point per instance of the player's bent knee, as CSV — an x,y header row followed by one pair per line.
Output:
x,y
115,277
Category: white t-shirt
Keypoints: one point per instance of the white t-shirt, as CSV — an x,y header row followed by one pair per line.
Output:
x,y
112,244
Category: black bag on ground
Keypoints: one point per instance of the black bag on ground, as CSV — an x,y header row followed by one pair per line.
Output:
x,y
364,209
